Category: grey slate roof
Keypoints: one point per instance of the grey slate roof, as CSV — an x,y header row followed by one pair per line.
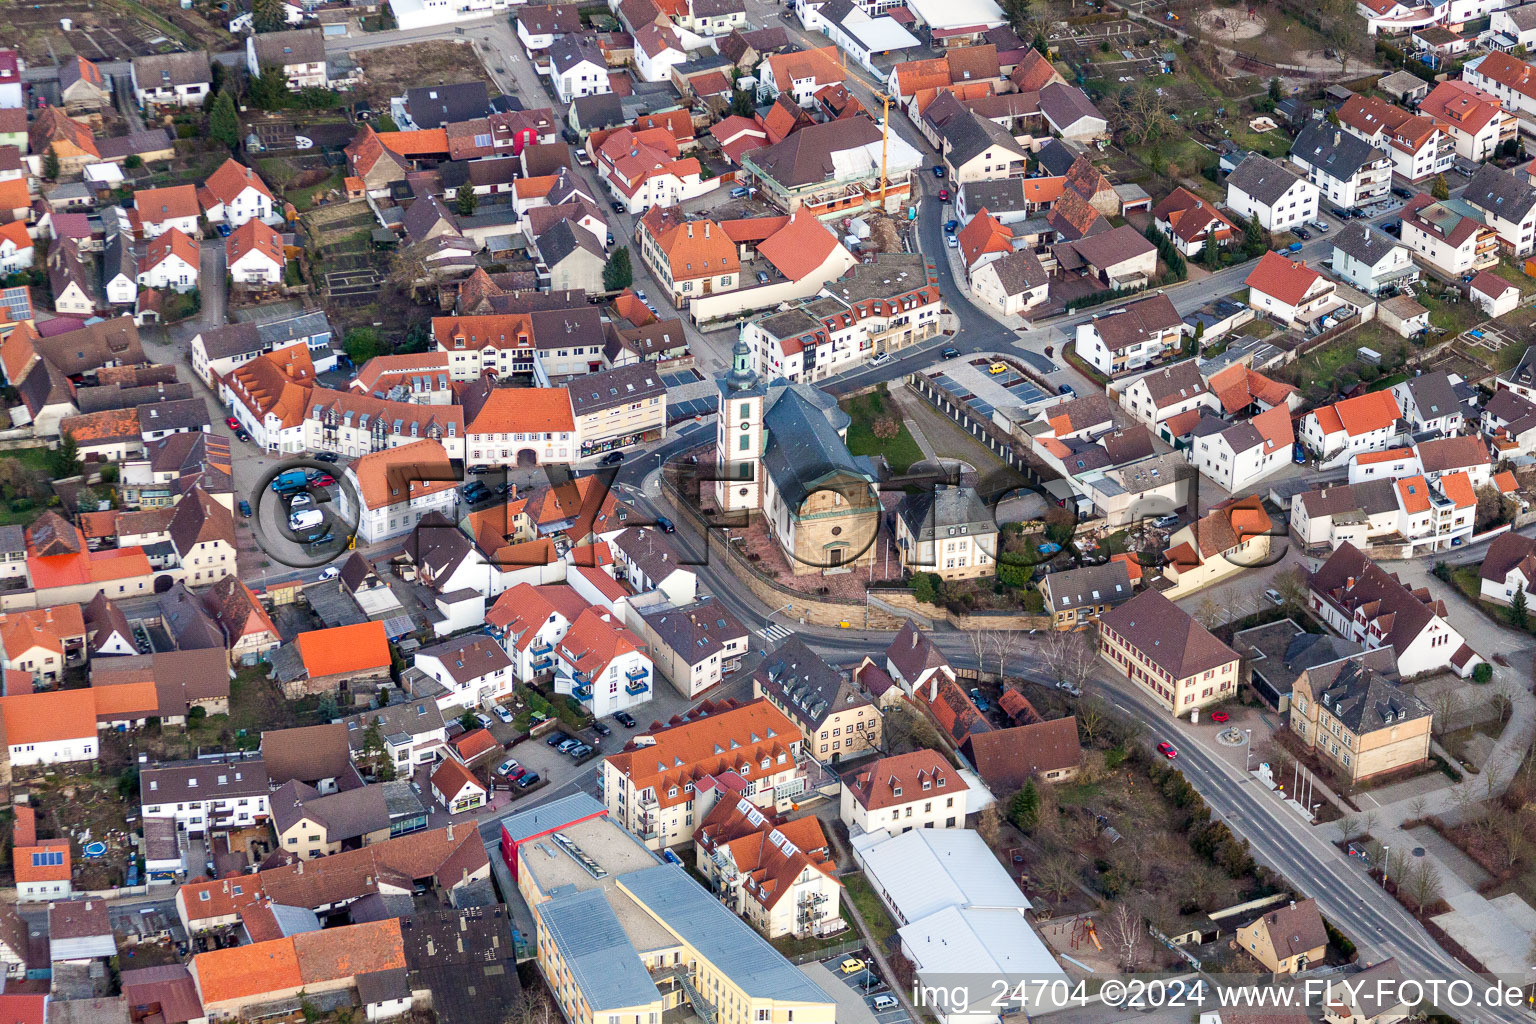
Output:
x,y
649,551
596,950
160,70
398,720
297,46
1262,178
1004,195
563,239
1433,394
549,816
1090,585
1362,242
946,511
806,686
803,447
970,135
432,106
719,935
1364,700
696,631
1334,151
569,51
1019,271
1500,193
602,110
1056,157
1064,105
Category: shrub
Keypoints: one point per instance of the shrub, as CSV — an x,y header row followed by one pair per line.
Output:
x,y
1483,673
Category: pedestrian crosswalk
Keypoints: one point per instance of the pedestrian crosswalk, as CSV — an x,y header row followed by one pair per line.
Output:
x,y
774,634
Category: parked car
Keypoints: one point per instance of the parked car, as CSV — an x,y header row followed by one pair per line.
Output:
x,y
1067,686
318,479
950,353
1163,522
943,195
883,357
852,965
617,207
524,781
303,499
1274,597
327,457
1166,749
510,768
982,704
484,719
579,751
938,170
241,434
601,729
502,713
1302,233
611,459
951,226
233,423
556,738
953,241
738,192
665,525
1321,225
568,744
625,719
245,508
330,572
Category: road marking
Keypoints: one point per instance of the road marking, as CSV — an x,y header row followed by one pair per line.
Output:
x,y
774,633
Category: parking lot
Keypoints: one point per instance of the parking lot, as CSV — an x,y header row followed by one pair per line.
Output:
x,y
855,992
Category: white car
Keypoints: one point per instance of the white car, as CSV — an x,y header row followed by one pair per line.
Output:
x,y
883,357
330,572
301,500
502,713
483,719
953,241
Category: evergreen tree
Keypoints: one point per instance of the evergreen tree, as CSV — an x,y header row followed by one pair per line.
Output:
x,y
268,16
269,90
50,164
1024,810
375,757
1253,238
1440,190
469,721
741,103
64,461
619,273
224,123
1274,90
465,201
1517,610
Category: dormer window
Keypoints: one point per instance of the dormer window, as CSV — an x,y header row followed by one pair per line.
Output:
x,y
941,782
897,791
672,792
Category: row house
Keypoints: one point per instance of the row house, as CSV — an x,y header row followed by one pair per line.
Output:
x,y
396,486
1508,79
353,425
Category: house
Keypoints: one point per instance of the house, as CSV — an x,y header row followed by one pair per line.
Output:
x,y
50,727
1288,940
894,794
1368,422
1451,235
947,530
42,642
1370,260
577,68
652,790
1429,403
1491,293
539,25
1292,293
1507,203
1476,121
297,56
1239,454
1508,568
834,168
837,719
310,824
694,645
170,263
778,875
1009,759
254,254
602,663
157,210
235,193
689,257
1077,597
16,249
1418,145
82,87
978,149
646,169
1504,76
1349,171
649,562
469,672
439,106
1374,1000
657,51
1191,223
395,487
410,734
1120,258
171,79
1013,284
457,788
338,658
1260,188
573,257
1360,722
1227,540
801,74
915,664
1363,602
1131,337
1167,653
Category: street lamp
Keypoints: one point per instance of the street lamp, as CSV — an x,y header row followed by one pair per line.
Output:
x,y
1386,853
1248,764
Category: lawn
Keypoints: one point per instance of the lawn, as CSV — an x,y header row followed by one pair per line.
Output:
x,y
900,451
304,198
255,703
1516,277
881,928
1469,583
791,947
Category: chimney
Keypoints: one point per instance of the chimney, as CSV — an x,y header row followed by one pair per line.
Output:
x,y
1337,138
450,831
706,229
1349,584
300,868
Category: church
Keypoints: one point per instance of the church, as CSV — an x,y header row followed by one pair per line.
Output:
x,y
782,453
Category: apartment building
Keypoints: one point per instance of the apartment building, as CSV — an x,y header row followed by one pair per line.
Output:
x,y
1158,646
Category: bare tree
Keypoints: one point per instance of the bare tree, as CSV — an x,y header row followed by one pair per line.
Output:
x,y
981,643
1005,644
1418,806
1397,866
1209,613
1090,717
1422,885
989,824
1445,705
1070,655
1057,875
1349,826
1375,855
1291,585
1369,819
1126,936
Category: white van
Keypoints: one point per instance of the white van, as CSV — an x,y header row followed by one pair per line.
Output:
x,y
305,519
883,1003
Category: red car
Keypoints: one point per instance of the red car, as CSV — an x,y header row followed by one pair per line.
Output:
x,y
1220,716
234,424
943,195
1166,749
322,480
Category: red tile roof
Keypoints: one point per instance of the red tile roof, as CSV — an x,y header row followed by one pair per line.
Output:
x,y
362,647
1285,279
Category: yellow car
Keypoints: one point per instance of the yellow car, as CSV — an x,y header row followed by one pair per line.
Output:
x,y
997,368
852,965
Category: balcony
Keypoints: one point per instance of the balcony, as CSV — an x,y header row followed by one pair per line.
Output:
x,y
541,664
583,692
540,647
638,672
636,687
